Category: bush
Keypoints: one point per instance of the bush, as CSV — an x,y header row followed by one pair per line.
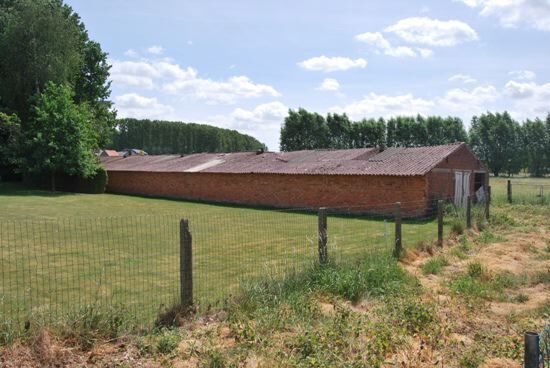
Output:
x,y
434,265
67,183
168,341
457,226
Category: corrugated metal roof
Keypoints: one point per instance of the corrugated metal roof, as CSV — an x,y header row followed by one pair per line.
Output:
x,y
396,161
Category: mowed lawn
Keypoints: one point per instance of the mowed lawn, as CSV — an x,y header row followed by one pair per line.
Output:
x,y
61,251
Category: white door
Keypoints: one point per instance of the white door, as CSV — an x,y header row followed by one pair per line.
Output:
x,y
462,188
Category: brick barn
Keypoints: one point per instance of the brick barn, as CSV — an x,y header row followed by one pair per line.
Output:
x,y
366,179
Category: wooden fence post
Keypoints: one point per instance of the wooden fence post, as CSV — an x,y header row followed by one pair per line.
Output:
x,y
469,212
509,191
398,245
186,265
440,223
488,202
323,253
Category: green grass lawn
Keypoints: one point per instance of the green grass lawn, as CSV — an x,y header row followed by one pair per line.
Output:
x,y
60,251
525,190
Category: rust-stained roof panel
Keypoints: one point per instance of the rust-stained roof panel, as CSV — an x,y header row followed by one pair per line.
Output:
x,y
396,161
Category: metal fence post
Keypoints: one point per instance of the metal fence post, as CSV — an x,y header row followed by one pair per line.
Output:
x,y
398,246
532,350
509,191
186,264
440,223
469,212
323,254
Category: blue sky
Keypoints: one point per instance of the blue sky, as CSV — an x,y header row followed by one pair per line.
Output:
x,y
242,64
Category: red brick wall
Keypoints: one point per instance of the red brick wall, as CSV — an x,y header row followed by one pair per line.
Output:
x,y
278,190
441,181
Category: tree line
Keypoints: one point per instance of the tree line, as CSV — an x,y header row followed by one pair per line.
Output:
x,y
168,137
502,143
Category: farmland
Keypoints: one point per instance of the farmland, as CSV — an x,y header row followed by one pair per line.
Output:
x,y
459,306
60,250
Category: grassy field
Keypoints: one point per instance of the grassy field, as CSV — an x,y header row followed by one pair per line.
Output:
x,y
59,251
525,190
460,306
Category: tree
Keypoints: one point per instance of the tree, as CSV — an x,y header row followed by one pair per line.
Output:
x,y
59,138
304,130
495,140
369,133
339,130
43,41
171,137
10,133
537,142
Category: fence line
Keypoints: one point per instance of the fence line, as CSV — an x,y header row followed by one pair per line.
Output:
x,y
51,268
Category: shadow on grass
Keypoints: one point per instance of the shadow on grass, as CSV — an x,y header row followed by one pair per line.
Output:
x,y
11,189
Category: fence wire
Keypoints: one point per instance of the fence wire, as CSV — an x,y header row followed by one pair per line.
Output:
x,y
521,193
54,267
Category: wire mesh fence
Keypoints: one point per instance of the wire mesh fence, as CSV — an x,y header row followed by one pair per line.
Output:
x,y
53,267
50,268
518,192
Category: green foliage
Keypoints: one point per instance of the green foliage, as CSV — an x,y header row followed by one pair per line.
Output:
x,y
457,226
45,41
434,265
537,141
476,270
95,322
303,130
10,134
487,237
306,130
40,43
168,341
59,136
166,137
497,140
215,359
472,358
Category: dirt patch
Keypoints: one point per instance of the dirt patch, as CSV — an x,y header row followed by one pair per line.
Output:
x,y
519,253
538,295
500,363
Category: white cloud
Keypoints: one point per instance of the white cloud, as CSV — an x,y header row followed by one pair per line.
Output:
x,y
329,84
378,40
400,51
462,78
433,32
171,78
530,99
220,92
156,50
375,39
425,53
468,102
513,13
263,122
523,74
136,106
332,64
375,105
131,53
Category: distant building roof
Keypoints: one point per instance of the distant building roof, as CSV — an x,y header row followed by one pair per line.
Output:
x,y
396,161
109,153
